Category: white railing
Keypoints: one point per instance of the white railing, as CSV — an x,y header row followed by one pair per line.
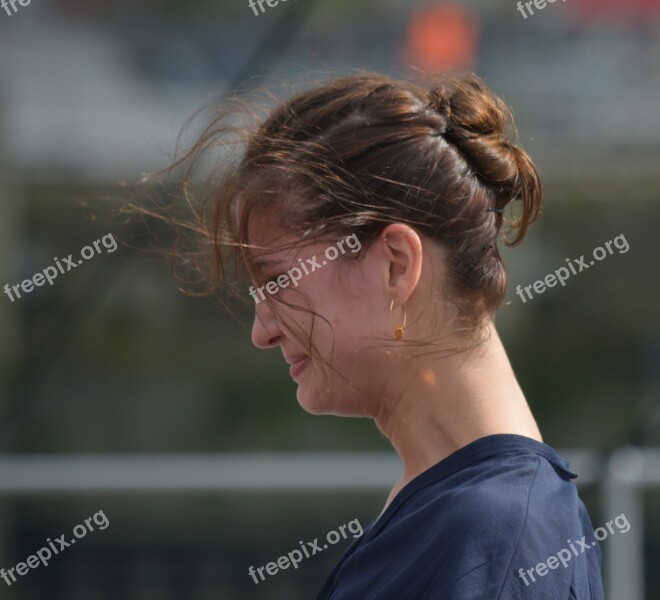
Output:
x,y
627,472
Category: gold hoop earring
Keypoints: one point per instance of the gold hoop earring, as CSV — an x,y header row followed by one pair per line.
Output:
x,y
398,330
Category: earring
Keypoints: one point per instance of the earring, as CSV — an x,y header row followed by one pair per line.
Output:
x,y
398,331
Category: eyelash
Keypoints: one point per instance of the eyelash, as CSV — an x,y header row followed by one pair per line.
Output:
x,y
266,278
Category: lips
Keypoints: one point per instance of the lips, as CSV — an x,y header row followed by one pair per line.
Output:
x,y
294,359
298,366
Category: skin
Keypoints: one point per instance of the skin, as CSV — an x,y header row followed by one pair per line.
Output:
x,y
427,406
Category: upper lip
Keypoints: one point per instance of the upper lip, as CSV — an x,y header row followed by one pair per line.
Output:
x,y
294,359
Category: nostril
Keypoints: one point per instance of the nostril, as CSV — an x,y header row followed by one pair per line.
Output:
x,y
265,333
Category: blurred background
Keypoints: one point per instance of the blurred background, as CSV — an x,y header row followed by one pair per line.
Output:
x,y
118,393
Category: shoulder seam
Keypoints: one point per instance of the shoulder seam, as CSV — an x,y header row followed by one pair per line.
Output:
x,y
529,495
453,581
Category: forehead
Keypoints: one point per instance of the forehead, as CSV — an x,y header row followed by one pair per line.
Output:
x,y
267,238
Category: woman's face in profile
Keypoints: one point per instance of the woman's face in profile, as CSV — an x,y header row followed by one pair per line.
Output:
x,y
340,293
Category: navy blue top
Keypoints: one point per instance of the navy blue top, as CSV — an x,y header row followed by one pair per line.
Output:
x,y
497,519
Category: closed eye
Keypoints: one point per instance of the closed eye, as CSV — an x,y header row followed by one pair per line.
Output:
x,y
266,277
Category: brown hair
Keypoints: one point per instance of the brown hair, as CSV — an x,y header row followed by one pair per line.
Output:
x,y
357,153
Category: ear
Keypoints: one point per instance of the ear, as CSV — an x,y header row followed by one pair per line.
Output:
x,y
402,252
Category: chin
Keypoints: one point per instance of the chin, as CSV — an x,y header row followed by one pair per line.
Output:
x,y
317,402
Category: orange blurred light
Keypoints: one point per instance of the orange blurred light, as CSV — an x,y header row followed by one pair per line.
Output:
x,y
442,37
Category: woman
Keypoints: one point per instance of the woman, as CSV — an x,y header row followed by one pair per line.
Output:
x,y
400,328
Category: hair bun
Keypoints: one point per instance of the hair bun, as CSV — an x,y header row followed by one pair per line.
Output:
x,y
476,123
441,104
469,107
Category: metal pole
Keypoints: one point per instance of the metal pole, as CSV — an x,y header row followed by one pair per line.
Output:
x,y
624,552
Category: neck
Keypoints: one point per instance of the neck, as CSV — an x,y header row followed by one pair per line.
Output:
x,y
444,404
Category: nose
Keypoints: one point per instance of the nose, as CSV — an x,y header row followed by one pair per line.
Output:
x,y
266,330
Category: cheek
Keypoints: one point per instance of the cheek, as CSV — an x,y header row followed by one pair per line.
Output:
x,y
344,316
349,328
